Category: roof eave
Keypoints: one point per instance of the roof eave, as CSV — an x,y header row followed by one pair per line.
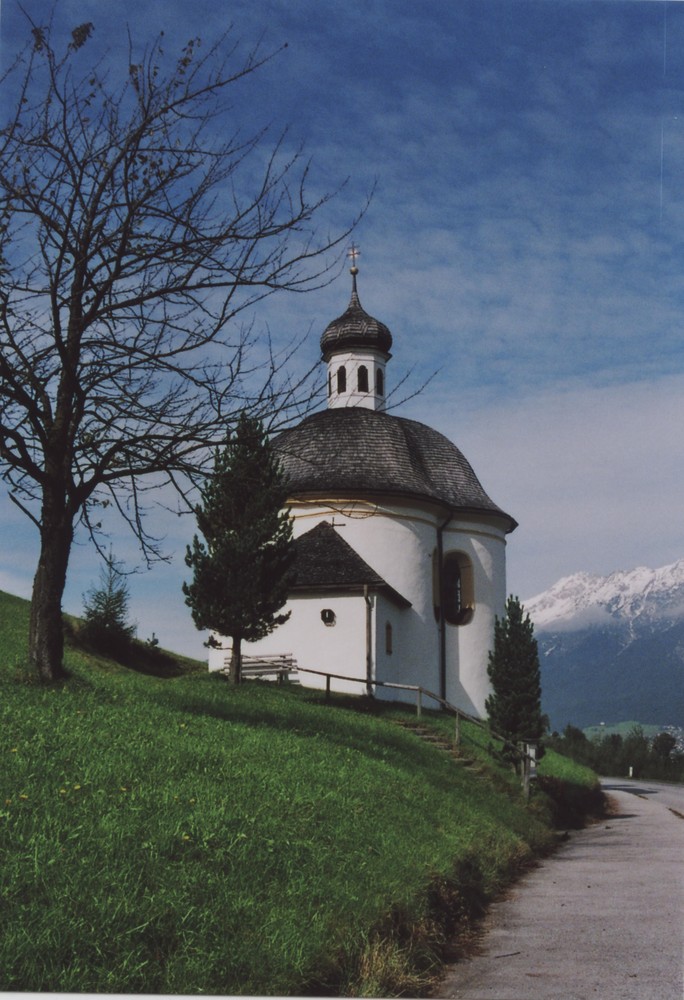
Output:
x,y
312,590
508,523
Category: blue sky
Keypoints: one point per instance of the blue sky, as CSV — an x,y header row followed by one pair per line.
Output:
x,y
525,240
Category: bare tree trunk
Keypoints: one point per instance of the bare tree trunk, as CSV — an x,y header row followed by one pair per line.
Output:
x,y
46,636
138,268
236,661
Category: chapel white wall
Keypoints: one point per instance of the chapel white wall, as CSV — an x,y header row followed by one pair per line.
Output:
x,y
374,361
337,649
398,541
467,646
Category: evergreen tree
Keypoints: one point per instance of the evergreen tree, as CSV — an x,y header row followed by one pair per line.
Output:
x,y
242,568
106,609
662,746
514,707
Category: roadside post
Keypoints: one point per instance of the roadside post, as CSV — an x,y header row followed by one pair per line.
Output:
x,y
529,767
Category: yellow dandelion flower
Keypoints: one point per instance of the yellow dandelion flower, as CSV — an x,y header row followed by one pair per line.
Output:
x,y
14,750
23,797
76,787
186,836
62,791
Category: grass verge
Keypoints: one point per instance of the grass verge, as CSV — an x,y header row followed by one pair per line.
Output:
x,y
175,835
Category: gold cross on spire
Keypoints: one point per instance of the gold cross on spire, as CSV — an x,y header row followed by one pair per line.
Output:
x,y
353,252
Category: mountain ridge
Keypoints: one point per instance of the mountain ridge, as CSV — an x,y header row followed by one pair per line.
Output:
x,y
623,594
612,647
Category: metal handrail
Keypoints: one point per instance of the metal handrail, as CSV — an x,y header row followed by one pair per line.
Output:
x,y
404,687
420,691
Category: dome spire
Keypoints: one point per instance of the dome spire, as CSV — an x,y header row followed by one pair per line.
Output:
x,y
356,348
353,252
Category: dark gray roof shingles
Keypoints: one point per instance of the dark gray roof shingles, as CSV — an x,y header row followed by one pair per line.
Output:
x,y
355,328
357,450
324,560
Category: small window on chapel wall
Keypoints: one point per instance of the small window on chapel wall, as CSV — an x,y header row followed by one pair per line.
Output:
x,y
388,638
458,599
363,379
380,382
341,379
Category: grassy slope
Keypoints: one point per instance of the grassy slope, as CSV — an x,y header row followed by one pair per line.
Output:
x,y
175,835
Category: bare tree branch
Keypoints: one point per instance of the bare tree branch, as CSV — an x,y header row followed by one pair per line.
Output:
x,y
137,225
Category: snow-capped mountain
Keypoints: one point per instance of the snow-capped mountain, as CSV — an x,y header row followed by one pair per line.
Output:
x,y
612,647
581,600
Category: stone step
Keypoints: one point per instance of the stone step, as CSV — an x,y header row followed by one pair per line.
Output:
x,y
428,735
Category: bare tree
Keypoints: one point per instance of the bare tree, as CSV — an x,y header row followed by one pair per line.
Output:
x,y
133,233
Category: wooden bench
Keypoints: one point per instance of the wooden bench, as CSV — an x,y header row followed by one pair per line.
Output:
x,y
279,665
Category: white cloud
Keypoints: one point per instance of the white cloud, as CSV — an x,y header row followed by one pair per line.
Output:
x,y
519,239
592,617
595,476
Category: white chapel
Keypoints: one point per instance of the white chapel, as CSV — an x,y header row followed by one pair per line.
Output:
x,y
400,554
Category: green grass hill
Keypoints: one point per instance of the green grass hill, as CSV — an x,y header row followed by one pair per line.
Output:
x,y
162,832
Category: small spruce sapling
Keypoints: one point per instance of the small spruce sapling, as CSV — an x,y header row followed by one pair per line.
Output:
x,y
242,569
105,609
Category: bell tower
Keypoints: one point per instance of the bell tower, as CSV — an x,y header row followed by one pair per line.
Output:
x,y
356,348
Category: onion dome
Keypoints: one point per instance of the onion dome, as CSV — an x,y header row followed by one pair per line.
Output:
x,y
355,329
354,452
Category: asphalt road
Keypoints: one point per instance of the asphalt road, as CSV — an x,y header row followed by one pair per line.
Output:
x,y
671,796
602,918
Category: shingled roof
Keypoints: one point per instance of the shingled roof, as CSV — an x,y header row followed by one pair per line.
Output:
x,y
325,561
352,451
354,329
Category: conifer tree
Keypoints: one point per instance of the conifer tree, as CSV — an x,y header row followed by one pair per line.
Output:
x,y
514,707
105,609
242,568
